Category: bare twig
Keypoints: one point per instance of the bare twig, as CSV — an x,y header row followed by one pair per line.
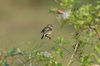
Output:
x,y
94,28
97,33
56,1
25,62
19,60
76,47
71,53
30,57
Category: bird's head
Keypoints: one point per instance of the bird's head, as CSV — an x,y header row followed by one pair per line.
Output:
x,y
50,25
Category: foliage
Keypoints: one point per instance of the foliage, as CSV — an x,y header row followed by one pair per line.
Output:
x,y
85,18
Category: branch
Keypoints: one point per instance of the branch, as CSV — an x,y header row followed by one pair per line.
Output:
x,y
19,60
56,1
76,47
98,35
70,53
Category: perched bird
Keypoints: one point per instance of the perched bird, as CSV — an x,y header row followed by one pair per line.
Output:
x,y
47,31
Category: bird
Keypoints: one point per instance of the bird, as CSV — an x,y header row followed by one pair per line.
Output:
x,y
47,31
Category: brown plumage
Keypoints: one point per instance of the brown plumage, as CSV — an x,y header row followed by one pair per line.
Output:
x,y
46,31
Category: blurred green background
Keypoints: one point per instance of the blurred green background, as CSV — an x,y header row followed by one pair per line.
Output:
x,y
21,22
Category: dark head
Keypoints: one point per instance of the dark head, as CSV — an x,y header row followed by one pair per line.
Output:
x,y
50,25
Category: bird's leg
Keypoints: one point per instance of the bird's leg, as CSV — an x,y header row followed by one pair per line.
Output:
x,y
42,37
48,36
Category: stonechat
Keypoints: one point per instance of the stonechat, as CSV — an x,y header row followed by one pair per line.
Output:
x,y
47,31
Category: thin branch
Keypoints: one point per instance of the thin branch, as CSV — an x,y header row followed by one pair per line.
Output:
x,y
19,60
76,47
56,1
30,57
98,34
25,62
71,53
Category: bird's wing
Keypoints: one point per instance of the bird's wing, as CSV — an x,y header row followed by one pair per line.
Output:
x,y
46,29
43,30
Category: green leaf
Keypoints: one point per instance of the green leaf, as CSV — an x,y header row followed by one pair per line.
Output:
x,y
72,0
61,53
46,64
97,48
51,11
59,64
11,52
59,41
1,63
85,60
63,3
97,58
5,58
63,23
5,64
58,51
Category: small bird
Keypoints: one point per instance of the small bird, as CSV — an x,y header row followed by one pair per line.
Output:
x,y
47,31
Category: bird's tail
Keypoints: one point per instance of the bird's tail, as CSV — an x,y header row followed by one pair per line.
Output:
x,y
42,37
